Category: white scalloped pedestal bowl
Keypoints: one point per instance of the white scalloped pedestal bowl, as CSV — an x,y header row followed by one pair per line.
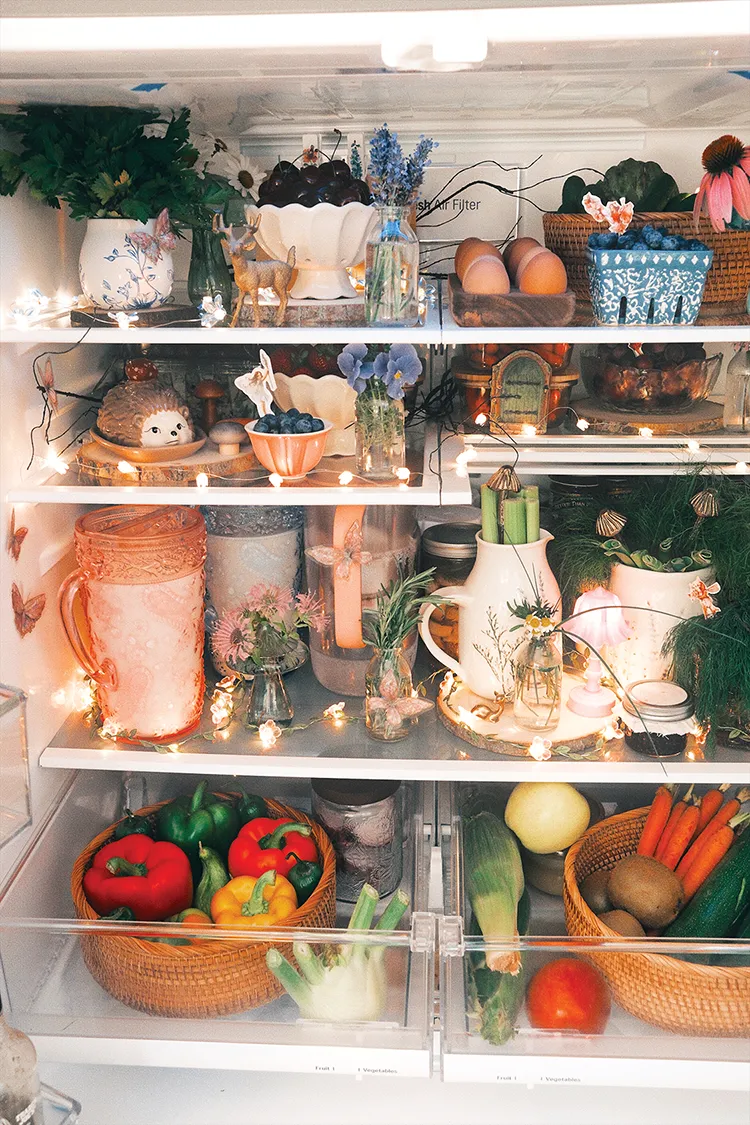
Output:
x,y
326,239
331,398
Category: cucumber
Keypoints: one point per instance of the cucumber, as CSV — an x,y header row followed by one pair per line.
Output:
x,y
721,901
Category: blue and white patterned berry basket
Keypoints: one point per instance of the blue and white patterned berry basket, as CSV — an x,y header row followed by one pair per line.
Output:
x,y
647,286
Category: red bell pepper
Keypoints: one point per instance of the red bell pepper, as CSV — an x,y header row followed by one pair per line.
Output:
x,y
153,879
265,844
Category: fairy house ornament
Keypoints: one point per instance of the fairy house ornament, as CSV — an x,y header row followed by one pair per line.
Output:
x,y
519,393
144,415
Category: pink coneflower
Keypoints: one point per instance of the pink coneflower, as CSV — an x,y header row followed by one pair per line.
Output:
x,y
726,184
310,610
230,640
268,601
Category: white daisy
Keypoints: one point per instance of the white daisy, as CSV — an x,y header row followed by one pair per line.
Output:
x,y
241,171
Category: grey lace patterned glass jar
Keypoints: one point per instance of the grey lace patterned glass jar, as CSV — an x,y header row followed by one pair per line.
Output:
x,y
364,820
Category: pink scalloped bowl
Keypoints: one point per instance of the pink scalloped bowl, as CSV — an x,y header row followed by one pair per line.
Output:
x,y
291,456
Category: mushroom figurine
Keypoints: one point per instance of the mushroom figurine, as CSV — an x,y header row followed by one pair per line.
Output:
x,y
229,436
209,392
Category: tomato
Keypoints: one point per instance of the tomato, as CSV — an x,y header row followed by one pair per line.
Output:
x,y
568,995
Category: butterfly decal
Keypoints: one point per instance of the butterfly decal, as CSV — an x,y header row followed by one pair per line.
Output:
x,y
27,613
396,707
162,239
48,383
15,537
211,310
342,558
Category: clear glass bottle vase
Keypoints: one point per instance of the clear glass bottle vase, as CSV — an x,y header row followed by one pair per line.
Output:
x,y
379,432
538,676
208,274
392,270
268,697
388,684
737,393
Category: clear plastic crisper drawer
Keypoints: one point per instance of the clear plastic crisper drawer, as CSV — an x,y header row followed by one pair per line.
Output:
x,y
61,976
15,810
680,1010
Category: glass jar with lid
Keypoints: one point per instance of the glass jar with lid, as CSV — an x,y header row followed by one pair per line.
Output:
x,y
657,717
452,549
364,820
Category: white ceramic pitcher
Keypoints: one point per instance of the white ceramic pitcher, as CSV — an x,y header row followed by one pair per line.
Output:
x,y
503,573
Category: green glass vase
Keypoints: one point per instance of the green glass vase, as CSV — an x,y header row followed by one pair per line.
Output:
x,y
208,274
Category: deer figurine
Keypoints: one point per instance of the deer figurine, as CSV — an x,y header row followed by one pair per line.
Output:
x,y
251,276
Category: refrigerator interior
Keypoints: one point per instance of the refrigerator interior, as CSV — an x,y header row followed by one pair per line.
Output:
x,y
570,94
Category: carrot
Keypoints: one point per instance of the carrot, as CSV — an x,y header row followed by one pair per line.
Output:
x,y
674,819
715,849
711,802
681,837
728,810
655,821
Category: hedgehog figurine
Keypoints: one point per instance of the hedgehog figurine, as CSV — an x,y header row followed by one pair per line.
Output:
x,y
144,415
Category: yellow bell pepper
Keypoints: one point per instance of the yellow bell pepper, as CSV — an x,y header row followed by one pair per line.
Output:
x,y
247,902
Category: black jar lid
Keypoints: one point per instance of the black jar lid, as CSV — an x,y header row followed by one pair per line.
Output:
x,y
659,700
451,540
354,792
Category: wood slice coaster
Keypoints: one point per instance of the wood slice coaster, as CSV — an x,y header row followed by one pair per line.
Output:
x,y
705,417
97,465
503,736
147,318
308,314
511,310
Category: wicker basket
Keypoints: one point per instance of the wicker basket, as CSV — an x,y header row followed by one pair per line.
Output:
x,y
728,279
215,978
678,995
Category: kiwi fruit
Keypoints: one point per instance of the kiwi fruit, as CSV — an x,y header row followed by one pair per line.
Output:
x,y
646,889
594,891
623,923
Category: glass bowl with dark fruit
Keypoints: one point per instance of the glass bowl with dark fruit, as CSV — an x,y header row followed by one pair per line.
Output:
x,y
326,214
289,443
649,378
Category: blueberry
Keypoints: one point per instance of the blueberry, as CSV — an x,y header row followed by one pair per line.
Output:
x,y
652,238
639,246
260,426
276,408
626,241
272,424
594,240
292,412
670,243
316,425
305,417
301,426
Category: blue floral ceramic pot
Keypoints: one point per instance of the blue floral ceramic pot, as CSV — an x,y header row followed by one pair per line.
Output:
x,y
118,271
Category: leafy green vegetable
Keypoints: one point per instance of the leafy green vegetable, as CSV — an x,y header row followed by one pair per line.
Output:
x,y
109,162
643,183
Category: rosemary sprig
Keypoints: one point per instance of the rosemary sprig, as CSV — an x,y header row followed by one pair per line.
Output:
x,y
397,610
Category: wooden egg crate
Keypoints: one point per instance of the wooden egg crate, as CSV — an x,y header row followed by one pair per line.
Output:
x,y
509,310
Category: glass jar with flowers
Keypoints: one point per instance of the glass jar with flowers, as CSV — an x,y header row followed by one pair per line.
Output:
x,y
259,640
392,251
380,383
537,701
391,703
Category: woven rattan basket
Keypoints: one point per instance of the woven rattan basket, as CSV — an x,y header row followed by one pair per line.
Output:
x,y
728,279
214,978
678,995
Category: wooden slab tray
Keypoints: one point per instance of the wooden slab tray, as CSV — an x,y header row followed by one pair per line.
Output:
x,y
514,310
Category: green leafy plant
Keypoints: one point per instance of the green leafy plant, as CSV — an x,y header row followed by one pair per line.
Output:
x,y
397,609
642,183
109,162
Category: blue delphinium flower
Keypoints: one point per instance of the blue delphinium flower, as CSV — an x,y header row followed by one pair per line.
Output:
x,y
398,368
352,363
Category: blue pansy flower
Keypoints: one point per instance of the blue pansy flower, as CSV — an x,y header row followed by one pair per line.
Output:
x,y
398,368
351,363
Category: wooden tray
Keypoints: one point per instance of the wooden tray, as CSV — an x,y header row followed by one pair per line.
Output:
x,y
704,417
97,465
515,310
151,455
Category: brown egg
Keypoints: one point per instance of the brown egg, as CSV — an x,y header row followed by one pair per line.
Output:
x,y
470,249
532,252
486,274
514,251
544,273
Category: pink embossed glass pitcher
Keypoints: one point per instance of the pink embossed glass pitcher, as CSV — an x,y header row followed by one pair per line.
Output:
x,y
140,582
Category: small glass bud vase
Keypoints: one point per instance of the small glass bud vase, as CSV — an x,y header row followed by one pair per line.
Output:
x,y
268,697
390,705
538,662
379,432
392,270
737,393
208,275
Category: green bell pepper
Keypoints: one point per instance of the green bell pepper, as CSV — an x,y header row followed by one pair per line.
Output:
x,y
201,819
304,877
132,825
249,807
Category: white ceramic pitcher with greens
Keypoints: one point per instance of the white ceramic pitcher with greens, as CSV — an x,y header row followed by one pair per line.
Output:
x,y
502,574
